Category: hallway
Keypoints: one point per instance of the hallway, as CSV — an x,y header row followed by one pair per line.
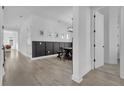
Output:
x,y
21,71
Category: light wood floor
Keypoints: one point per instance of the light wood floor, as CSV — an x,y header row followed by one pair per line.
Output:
x,y
20,71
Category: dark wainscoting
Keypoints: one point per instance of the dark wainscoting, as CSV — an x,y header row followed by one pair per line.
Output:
x,y
56,46
41,48
49,48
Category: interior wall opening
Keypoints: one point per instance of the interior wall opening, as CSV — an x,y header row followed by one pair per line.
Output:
x,y
111,40
11,39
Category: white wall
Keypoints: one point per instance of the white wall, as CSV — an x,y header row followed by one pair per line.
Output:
x,y
49,26
25,46
30,31
81,43
11,35
113,32
122,45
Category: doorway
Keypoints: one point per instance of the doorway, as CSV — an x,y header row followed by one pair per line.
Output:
x,y
11,39
105,48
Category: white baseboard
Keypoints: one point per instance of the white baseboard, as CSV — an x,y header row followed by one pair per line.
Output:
x,y
24,54
43,57
122,77
1,78
86,72
0,84
77,79
1,81
112,62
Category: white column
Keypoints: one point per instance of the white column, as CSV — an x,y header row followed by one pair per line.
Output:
x,y
76,77
122,45
81,43
1,42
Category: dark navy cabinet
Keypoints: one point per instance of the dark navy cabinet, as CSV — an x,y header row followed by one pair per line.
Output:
x,y
38,49
67,45
34,49
41,48
62,44
56,46
49,48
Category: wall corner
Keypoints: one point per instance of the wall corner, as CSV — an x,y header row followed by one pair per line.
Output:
x,y
77,79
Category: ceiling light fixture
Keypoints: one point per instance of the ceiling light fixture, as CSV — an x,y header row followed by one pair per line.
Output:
x,y
20,16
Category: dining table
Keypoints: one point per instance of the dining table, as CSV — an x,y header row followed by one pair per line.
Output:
x,y
68,52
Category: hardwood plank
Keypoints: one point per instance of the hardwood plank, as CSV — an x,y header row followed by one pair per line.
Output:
x,y
21,71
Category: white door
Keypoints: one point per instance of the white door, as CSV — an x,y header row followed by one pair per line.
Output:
x,y
1,51
99,40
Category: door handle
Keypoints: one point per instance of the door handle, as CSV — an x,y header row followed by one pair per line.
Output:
x,y
2,48
103,46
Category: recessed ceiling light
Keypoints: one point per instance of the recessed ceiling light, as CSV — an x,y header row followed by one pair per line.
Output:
x,y
20,16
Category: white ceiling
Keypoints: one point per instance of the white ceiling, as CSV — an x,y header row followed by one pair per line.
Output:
x,y
97,7
15,15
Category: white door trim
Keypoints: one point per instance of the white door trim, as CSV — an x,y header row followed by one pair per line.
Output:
x,y
1,51
122,44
